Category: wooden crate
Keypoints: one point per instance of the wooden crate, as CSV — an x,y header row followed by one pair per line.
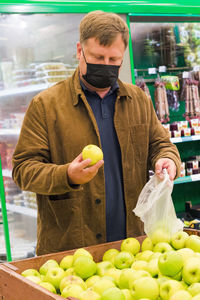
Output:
x,y
14,286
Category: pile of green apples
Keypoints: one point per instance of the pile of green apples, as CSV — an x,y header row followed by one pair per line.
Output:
x,y
160,268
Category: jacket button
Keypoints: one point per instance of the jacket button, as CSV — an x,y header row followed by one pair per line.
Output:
x,y
98,201
98,235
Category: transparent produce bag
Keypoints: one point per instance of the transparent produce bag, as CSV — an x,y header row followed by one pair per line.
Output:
x,y
156,209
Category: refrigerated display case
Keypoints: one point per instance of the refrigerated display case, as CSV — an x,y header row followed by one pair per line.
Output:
x,y
38,49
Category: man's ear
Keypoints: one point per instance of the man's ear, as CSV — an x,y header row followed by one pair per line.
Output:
x,y
78,50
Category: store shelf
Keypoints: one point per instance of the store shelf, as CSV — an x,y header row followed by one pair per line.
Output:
x,y
22,210
187,179
23,90
185,139
9,131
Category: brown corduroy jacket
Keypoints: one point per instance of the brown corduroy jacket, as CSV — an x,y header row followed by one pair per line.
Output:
x,y
59,122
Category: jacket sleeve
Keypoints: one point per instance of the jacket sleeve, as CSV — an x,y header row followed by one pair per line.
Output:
x,y
160,145
32,167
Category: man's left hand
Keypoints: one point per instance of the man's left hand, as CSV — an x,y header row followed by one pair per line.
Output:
x,y
165,163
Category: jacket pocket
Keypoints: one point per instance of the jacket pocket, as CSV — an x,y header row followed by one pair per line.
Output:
x,y
66,213
140,141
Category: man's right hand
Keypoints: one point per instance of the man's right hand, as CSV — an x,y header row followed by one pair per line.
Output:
x,y
79,171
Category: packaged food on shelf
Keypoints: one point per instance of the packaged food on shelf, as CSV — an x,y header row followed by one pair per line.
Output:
x,y
50,66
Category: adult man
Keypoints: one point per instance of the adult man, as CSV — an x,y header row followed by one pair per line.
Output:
x,y
80,205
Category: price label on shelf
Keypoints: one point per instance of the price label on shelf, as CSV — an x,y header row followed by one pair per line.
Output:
x,y
162,69
195,177
152,71
195,137
176,140
185,74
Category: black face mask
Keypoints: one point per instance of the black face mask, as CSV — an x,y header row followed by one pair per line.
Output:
x,y
101,76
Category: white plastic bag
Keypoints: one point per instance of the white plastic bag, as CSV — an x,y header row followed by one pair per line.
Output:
x,y
155,206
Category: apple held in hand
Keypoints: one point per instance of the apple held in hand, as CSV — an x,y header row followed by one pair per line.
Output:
x,y
93,152
170,263
130,245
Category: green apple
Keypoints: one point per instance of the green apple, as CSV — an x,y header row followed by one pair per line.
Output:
x,y
114,273
155,255
186,253
67,262
181,295
91,280
54,276
197,297
147,244
48,286
193,242
72,279
136,275
81,252
49,264
109,255
160,234
70,271
72,290
30,272
123,260
191,270
102,284
124,278
170,263
162,247
145,255
130,244
93,152
33,278
194,289
127,293
145,287
178,239
152,267
103,267
139,265
89,294
169,287
85,267
113,293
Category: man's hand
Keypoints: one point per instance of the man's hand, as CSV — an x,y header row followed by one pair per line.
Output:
x,y
165,163
79,171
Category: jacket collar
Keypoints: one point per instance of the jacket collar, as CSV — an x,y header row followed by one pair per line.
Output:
x,y
77,90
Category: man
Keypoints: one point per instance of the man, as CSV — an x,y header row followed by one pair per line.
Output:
x,y
80,205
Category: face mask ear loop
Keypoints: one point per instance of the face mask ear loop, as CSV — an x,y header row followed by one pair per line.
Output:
x,y
84,55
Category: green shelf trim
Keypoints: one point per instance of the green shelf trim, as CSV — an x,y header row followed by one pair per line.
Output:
x,y
187,179
184,7
4,216
131,51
